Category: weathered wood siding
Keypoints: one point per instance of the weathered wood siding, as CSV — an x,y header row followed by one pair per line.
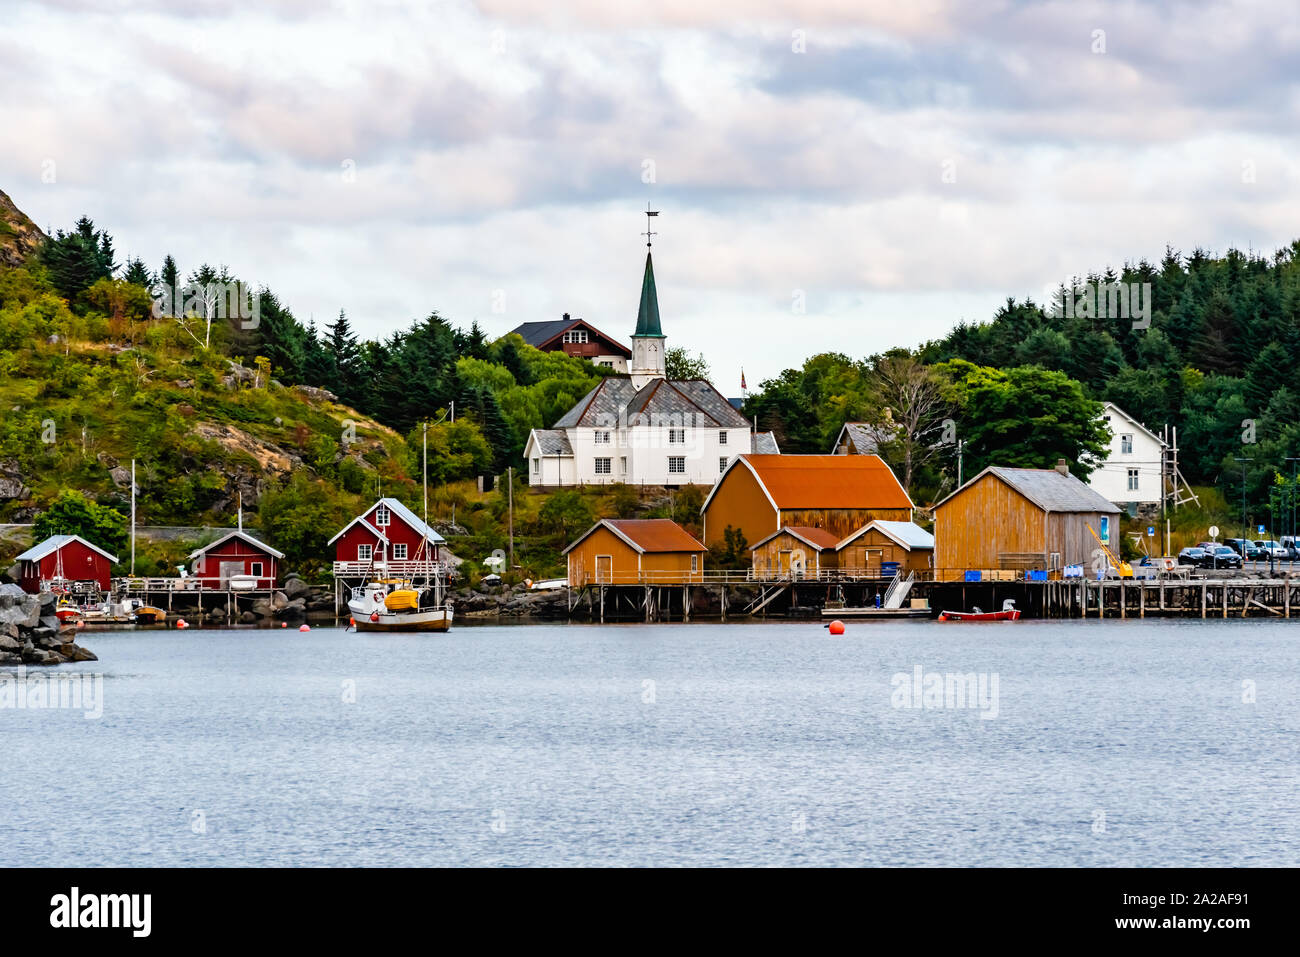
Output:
x,y
983,521
627,565
873,547
841,522
741,503
769,560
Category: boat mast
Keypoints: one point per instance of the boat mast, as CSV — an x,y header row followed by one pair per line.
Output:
x,y
133,518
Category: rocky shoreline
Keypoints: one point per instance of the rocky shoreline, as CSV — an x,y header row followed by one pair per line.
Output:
x,y
30,634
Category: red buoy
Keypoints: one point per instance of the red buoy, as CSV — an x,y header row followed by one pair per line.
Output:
x,y
837,627
352,622
304,627
374,616
284,624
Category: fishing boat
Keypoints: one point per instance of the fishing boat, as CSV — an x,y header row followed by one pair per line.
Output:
x,y
399,605
67,611
1009,612
386,603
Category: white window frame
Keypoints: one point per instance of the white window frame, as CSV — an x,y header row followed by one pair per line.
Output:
x,y
577,336
383,517
676,465
537,466
1133,480
722,438
365,553
622,464
399,551
676,436
722,463
604,465
601,437
1126,444
695,563
255,569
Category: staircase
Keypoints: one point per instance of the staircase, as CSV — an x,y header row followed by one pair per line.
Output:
x,y
896,594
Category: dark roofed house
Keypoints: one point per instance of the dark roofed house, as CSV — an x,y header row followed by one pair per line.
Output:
x,y
576,337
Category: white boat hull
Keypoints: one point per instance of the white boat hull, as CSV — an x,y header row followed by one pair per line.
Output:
x,y
436,619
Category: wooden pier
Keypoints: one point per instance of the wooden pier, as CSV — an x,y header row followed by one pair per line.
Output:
x,y
733,595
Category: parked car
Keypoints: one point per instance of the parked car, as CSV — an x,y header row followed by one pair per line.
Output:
x,y
1269,547
1292,546
1245,548
1219,556
1192,556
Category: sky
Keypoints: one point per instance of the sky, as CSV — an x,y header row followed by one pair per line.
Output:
x,y
831,175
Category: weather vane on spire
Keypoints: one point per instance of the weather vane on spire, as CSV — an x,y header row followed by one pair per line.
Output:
x,y
648,234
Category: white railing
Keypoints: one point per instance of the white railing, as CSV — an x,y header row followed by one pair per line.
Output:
x,y
389,569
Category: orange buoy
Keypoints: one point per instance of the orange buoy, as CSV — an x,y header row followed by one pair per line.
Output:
x,y
836,627
352,623
374,616
182,623
304,627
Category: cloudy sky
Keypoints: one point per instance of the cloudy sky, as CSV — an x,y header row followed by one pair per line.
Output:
x,y
888,167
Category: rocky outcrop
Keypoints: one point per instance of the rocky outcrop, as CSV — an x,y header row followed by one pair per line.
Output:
x,y
30,634
11,479
19,236
315,394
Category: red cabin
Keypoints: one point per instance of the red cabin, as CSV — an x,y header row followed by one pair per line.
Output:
x,y
236,556
67,557
388,532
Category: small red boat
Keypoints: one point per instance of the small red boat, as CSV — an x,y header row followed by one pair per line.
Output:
x,y
1009,612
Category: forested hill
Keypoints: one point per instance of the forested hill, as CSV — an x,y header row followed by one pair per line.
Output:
x,y
1215,355
96,369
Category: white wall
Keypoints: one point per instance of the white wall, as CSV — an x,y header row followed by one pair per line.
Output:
x,y
647,450
1110,478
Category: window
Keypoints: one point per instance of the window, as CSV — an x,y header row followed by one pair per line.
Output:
x,y
602,467
1126,444
602,438
695,563
722,464
1132,480
382,516
576,335
676,464
676,436
622,464
364,552
537,466
399,552
722,438
607,363
255,569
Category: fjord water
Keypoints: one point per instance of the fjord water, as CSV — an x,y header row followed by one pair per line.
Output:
x,y
1115,743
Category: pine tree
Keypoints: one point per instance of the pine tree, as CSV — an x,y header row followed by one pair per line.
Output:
x,y
137,273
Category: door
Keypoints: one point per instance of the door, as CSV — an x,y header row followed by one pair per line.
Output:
x,y
604,569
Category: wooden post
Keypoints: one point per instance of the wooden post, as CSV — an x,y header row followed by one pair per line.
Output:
x,y
1204,597
1286,594
1142,600
1123,600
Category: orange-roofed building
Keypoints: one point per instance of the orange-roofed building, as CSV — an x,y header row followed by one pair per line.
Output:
x,y
798,550
635,551
760,494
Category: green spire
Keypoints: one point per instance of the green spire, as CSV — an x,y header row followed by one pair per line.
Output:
x,y
647,319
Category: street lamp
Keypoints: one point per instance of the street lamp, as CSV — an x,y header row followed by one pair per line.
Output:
x,y
1245,532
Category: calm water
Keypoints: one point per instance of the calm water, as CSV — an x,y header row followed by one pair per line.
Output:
x,y
1118,743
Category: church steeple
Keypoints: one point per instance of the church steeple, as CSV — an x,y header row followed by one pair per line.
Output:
x,y
647,319
648,340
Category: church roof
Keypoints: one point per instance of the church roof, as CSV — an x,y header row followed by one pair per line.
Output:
x,y
647,318
685,402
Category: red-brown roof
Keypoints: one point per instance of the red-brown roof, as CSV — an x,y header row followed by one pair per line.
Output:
x,y
828,481
648,535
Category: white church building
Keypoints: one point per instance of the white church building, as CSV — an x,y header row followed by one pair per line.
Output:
x,y
643,428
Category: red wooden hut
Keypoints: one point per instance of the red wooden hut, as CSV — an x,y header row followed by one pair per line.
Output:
x,y
236,554
386,532
67,557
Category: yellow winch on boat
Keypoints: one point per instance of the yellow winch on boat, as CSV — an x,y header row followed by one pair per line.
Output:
x,y
402,600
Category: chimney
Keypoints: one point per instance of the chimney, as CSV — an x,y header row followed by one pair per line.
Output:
x,y
566,317
1063,466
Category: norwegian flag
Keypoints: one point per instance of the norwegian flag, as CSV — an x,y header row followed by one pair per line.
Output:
x,y
742,379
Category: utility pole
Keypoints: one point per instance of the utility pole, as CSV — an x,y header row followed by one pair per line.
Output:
x,y
961,445
133,518
1292,524
510,508
1245,532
